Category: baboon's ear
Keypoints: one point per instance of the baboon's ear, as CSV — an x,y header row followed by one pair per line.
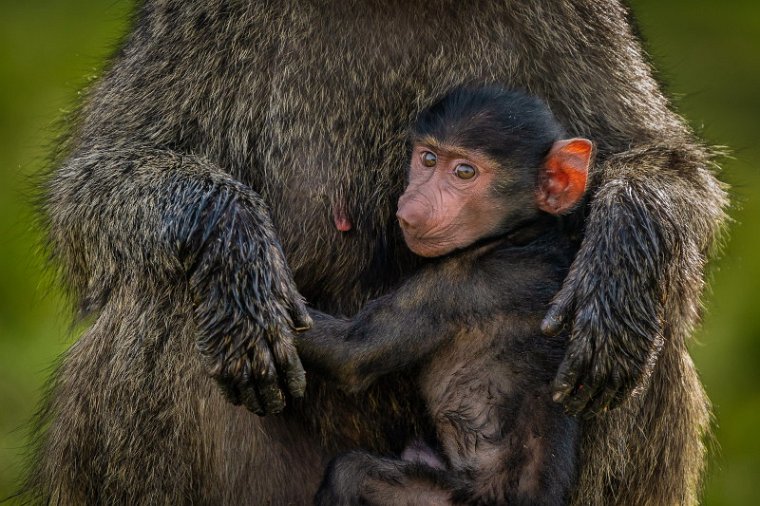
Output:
x,y
562,180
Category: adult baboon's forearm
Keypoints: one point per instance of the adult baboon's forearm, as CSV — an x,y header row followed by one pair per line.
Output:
x,y
675,208
123,215
640,269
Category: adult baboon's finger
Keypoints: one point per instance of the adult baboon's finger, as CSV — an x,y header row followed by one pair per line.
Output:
x,y
561,308
555,319
622,391
294,305
289,364
251,401
566,379
265,379
229,389
300,317
579,400
603,400
248,394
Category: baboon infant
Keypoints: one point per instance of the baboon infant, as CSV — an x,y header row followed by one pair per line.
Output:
x,y
490,172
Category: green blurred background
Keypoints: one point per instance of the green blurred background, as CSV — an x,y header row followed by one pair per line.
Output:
x,y
706,52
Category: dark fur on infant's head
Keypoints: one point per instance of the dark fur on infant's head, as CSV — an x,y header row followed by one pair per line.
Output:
x,y
485,160
504,124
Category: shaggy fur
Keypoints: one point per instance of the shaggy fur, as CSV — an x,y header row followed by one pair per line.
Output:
x,y
223,126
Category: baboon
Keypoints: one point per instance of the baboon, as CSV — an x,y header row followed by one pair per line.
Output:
x,y
488,169
237,152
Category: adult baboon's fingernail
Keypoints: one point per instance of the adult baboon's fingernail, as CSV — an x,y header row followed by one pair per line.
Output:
x,y
552,323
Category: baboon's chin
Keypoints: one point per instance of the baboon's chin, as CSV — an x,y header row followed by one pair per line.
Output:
x,y
428,248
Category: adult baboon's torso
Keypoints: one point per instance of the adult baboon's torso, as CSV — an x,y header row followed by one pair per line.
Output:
x,y
346,82
306,103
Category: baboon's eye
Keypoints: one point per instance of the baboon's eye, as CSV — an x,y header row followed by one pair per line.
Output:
x,y
464,171
429,158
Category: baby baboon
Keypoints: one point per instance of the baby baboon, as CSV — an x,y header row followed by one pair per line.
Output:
x,y
488,170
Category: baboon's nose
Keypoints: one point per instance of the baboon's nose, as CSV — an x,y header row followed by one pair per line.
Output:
x,y
407,218
414,211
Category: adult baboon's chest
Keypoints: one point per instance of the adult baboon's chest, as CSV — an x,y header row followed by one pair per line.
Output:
x,y
346,85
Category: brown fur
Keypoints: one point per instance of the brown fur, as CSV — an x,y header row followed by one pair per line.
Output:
x,y
300,108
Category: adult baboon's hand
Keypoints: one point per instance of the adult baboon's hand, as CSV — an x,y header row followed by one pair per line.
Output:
x,y
611,306
608,352
248,308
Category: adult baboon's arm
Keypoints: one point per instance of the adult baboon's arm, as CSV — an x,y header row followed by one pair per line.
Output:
x,y
134,199
656,206
144,216
639,271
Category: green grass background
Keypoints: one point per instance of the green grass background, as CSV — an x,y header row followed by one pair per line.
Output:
x,y
706,51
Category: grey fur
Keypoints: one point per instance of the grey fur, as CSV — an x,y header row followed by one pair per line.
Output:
x,y
213,110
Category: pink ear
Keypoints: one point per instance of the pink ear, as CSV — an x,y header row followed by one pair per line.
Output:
x,y
562,181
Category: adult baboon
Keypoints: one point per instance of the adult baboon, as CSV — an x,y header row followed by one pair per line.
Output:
x,y
229,139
